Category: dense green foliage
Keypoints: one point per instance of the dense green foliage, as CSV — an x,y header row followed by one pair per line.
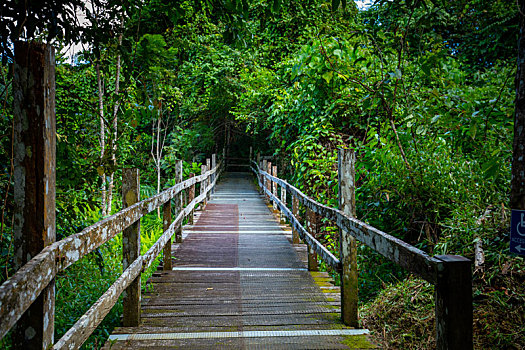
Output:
x,y
421,89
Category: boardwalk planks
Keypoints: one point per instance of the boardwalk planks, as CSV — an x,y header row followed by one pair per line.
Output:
x,y
238,283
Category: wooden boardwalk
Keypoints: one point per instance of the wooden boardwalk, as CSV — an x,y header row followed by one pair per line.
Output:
x,y
238,283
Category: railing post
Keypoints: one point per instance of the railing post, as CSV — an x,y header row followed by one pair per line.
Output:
x,y
178,201
312,224
259,165
263,178
251,154
454,303
283,199
208,179
268,181
295,211
191,197
131,248
347,243
166,221
34,162
274,188
213,165
203,185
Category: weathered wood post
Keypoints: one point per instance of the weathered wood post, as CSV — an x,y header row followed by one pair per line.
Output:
x,y
131,248
295,211
259,165
347,243
454,303
268,181
283,199
274,188
34,180
263,178
178,202
166,221
203,185
213,165
251,154
208,179
312,225
191,197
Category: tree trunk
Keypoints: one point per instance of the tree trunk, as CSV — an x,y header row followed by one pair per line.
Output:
x,y
115,134
517,192
102,139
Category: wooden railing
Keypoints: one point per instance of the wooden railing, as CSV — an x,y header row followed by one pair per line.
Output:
x,y
451,275
24,287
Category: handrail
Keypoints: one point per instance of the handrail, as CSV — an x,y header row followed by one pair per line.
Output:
x,y
394,249
450,274
24,286
327,256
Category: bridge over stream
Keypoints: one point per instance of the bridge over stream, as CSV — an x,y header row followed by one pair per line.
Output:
x,y
239,282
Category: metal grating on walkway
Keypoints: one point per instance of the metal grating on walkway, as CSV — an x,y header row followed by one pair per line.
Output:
x,y
237,282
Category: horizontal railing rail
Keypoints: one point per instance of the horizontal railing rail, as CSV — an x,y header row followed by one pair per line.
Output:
x,y
24,286
450,274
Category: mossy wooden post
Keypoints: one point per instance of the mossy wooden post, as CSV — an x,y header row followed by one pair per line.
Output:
x,y
274,188
166,222
263,178
213,165
203,185
295,211
209,178
283,199
191,197
178,202
347,243
454,303
312,225
34,161
131,249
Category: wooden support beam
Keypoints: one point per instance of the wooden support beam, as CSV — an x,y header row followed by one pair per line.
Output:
x,y
208,180
268,181
347,243
166,223
274,188
295,211
178,200
312,226
264,179
454,303
131,248
213,165
34,181
191,197
283,199
203,185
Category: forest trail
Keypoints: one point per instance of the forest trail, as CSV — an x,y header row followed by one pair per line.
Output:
x,y
238,282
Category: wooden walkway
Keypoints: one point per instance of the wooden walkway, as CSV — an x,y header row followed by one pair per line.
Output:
x,y
238,283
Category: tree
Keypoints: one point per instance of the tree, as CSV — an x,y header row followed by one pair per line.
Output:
x,y
517,191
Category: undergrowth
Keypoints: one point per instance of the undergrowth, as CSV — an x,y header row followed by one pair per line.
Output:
x,y
402,315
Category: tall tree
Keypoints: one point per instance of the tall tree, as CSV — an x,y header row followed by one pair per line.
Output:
x,y
517,192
